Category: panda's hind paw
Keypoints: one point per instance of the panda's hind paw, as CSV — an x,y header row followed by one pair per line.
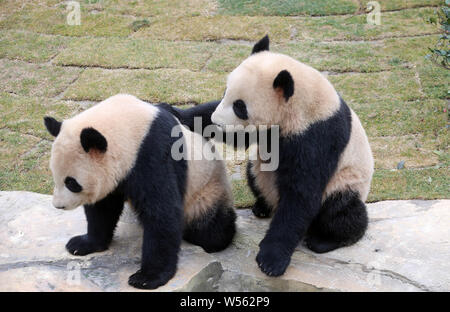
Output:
x,y
321,245
261,210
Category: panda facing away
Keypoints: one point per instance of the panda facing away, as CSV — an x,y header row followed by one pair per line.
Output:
x,y
121,150
318,191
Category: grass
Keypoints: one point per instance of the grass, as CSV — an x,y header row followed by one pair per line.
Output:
x,y
53,21
170,85
312,8
35,79
287,7
286,29
403,4
181,51
29,47
135,53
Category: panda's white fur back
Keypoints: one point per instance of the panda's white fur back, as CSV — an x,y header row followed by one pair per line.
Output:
x,y
207,179
356,164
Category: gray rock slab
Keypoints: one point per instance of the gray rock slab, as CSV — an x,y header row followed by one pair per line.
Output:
x,y
406,248
33,235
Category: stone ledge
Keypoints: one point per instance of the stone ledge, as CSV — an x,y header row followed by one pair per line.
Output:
x,y
406,248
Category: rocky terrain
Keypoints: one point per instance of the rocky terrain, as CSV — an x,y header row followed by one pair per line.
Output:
x,y
405,249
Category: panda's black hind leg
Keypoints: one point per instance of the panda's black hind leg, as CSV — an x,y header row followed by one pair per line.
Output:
x,y
214,230
260,209
342,221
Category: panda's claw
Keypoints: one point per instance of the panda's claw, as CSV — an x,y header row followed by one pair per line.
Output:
x,y
272,261
81,245
261,210
149,280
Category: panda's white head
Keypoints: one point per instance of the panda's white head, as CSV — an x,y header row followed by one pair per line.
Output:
x,y
95,150
77,161
274,89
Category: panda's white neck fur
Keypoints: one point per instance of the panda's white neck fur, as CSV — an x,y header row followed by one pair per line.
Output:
x,y
124,121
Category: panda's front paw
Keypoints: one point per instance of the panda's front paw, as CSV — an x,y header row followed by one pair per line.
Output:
x,y
149,281
82,245
261,210
272,259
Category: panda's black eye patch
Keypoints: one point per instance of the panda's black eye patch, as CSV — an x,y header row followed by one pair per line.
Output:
x,y
72,185
240,109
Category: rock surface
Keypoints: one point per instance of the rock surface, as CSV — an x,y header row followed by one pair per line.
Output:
x,y
407,248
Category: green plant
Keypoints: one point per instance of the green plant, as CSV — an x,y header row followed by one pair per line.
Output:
x,y
136,25
440,54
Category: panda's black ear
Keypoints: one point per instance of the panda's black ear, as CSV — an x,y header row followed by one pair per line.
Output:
x,y
92,139
53,126
261,45
284,82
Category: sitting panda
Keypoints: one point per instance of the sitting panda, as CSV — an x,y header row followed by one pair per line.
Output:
x,y
120,150
318,191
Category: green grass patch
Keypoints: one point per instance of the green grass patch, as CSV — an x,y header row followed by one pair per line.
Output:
x,y
136,25
394,117
24,163
284,29
365,89
403,4
369,56
25,114
386,185
287,7
169,85
159,7
29,46
410,184
54,21
135,53
243,196
435,80
35,79
415,151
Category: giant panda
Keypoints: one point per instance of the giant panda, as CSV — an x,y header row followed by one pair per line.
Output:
x,y
318,191
121,150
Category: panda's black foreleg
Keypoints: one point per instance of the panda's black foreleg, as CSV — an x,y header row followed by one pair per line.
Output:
x,y
260,209
214,230
102,219
342,221
187,116
289,224
162,222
